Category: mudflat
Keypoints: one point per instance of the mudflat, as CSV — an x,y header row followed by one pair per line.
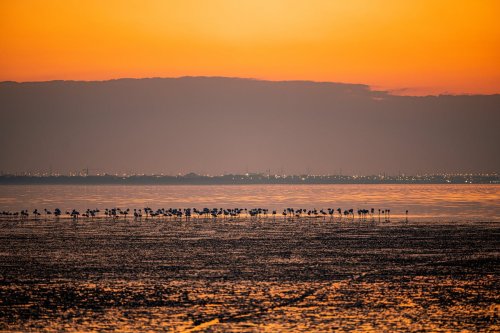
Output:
x,y
249,275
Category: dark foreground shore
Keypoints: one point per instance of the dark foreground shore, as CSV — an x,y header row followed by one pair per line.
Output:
x,y
309,275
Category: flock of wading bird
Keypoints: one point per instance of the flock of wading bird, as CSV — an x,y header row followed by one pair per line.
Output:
x,y
178,214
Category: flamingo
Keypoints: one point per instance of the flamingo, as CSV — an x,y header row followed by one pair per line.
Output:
x,y
47,212
75,214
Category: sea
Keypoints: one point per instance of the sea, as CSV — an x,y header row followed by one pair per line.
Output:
x,y
433,270
439,201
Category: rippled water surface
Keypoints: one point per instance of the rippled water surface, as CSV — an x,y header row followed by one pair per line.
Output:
x,y
435,271
450,201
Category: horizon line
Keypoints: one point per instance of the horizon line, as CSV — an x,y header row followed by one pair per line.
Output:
x,y
266,174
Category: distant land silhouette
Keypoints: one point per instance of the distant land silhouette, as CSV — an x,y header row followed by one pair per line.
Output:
x,y
232,179
215,125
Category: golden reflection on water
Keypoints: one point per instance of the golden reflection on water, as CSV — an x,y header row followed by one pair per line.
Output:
x,y
442,200
413,303
246,275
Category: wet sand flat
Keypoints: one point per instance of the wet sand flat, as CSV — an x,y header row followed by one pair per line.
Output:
x,y
246,275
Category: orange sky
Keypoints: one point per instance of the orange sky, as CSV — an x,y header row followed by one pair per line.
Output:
x,y
411,47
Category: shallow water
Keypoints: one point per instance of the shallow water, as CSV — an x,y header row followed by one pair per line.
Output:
x,y
456,202
435,271
241,275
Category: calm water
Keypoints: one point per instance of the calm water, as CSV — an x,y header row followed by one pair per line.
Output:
x,y
248,276
435,272
456,202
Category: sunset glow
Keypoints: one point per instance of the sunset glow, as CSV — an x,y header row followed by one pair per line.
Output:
x,y
408,47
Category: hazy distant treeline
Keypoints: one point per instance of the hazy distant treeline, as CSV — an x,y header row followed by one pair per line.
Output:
x,y
192,179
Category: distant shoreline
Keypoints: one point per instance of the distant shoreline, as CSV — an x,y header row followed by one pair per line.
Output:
x,y
247,179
